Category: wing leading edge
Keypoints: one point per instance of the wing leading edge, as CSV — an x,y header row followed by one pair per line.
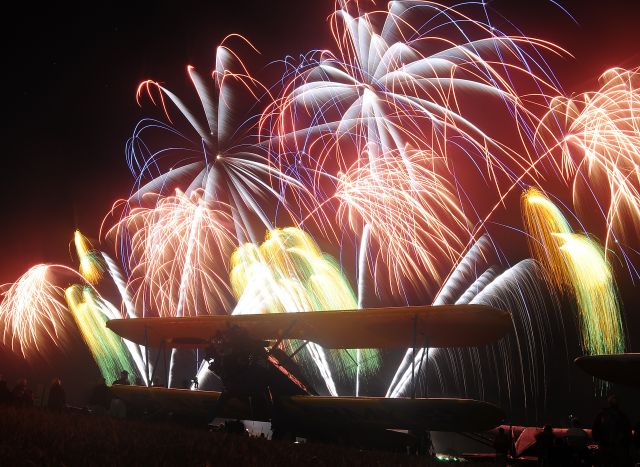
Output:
x,y
392,327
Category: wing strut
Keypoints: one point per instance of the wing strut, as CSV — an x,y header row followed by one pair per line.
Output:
x,y
280,339
413,357
146,350
161,350
302,346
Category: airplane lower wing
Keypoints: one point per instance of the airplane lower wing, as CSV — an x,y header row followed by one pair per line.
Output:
x,y
312,413
440,414
617,368
392,327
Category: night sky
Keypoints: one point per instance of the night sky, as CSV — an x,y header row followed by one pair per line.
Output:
x,y
70,77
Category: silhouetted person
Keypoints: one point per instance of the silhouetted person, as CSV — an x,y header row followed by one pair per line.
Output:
x,y
577,442
502,444
27,398
18,393
545,441
57,397
124,378
612,432
635,444
5,394
117,408
100,399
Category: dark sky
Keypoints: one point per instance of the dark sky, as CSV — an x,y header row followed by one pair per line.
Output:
x,y
70,77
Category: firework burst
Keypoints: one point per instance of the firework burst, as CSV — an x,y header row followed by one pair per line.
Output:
x,y
595,140
411,210
33,314
577,266
392,88
179,254
221,158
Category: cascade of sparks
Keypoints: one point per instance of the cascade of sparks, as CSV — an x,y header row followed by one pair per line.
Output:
x,y
595,293
108,350
598,136
179,254
411,211
577,266
289,273
33,315
518,361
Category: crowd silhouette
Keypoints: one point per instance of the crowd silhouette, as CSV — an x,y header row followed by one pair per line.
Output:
x,y
50,432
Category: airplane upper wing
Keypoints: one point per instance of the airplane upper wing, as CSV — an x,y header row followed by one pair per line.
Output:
x,y
392,327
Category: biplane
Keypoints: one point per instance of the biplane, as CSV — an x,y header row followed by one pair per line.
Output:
x,y
263,383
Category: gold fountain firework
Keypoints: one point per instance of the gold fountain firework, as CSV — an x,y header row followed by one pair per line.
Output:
x,y
577,266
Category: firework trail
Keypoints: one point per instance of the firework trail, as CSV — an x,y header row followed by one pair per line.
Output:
x,y
33,315
109,352
121,284
577,266
543,220
289,273
594,139
179,254
91,267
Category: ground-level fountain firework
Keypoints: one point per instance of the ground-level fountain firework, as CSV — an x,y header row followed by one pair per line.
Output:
x,y
364,175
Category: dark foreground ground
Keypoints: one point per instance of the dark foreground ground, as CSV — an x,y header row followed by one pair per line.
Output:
x,y
39,437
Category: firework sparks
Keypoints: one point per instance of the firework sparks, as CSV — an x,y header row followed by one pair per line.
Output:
x,y
289,273
595,293
598,136
90,314
519,361
411,211
179,254
33,315
385,82
543,220
392,88
91,266
466,271
222,158
577,266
